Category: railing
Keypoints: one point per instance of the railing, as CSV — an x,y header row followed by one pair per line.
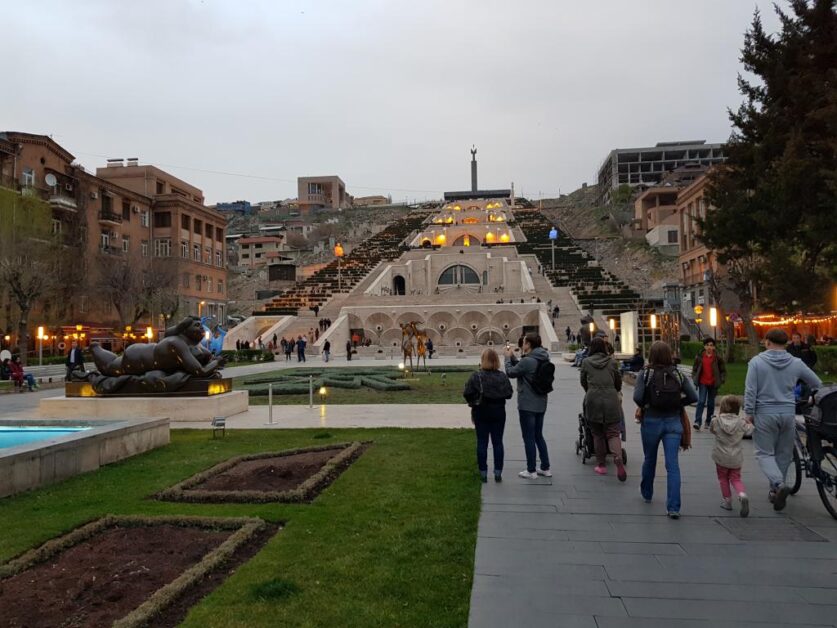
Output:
x,y
107,216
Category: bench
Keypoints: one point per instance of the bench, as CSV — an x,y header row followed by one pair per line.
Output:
x,y
219,423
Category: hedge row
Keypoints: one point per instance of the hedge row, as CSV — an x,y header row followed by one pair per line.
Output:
x,y
248,355
826,355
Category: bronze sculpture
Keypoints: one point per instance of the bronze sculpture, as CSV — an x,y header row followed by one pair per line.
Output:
x,y
177,362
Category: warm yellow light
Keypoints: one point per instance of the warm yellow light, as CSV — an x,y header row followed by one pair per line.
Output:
x,y
202,303
149,333
466,241
440,239
207,335
40,332
504,237
490,237
219,387
8,338
338,250
698,310
401,365
592,327
653,321
323,391
612,324
713,317
79,327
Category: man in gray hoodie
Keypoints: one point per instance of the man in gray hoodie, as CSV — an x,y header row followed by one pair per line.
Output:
x,y
531,405
769,403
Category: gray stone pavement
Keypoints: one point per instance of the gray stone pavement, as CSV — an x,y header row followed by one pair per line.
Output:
x,y
585,550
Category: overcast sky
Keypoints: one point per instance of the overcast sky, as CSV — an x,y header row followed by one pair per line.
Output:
x,y
388,94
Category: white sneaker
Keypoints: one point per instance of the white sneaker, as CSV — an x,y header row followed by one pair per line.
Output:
x,y
528,476
546,474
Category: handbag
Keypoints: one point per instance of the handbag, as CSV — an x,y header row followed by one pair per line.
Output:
x,y
478,401
686,438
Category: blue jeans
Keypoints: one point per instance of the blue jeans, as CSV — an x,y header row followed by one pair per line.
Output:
x,y
490,422
668,431
531,425
706,399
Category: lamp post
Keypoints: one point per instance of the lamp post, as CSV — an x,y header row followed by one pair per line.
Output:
x,y
200,308
713,322
40,345
553,235
338,253
653,326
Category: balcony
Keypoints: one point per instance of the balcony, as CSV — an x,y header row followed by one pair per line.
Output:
x,y
110,250
63,203
109,218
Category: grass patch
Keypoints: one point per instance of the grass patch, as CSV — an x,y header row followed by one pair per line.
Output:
x,y
386,544
273,590
737,374
425,388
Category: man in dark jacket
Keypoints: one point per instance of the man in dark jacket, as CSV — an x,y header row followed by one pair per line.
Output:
x,y
708,373
531,405
801,350
74,361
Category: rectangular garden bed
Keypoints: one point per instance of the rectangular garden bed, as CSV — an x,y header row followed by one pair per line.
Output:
x,y
125,571
296,475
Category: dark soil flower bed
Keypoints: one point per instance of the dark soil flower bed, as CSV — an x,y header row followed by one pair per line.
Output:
x,y
290,476
125,571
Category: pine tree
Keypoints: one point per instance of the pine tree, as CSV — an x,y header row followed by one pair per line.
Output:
x,y
775,222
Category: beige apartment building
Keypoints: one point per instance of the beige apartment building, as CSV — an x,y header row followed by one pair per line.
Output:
x,y
322,193
258,251
697,262
656,219
123,213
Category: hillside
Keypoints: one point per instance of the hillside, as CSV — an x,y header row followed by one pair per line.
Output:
x,y
598,230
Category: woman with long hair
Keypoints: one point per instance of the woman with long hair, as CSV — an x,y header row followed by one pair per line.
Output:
x,y
486,392
602,382
661,393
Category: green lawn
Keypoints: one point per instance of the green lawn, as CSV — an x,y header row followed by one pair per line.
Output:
x,y
390,543
737,373
435,387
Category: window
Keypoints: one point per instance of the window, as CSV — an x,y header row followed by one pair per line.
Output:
x,y
126,243
185,280
184,222
184,249
207,256
107,201
672,237
56,226
209,284
104,240
218,258
208,231
220,286
458,275
28,177
258,246
162,219
162,247
198,283
196,252
126,209
219,234
315,188
198,226
144,218
161,187
144,248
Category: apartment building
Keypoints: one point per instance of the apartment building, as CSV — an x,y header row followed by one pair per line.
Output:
x,y
322,193
656,218
122,214
258,251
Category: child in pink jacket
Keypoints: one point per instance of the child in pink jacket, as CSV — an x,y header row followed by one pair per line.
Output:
x,y
729,429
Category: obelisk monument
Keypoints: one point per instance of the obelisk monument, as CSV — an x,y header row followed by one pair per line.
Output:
x,y
473,169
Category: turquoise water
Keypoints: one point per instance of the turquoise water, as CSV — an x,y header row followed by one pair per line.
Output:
x,y
12,436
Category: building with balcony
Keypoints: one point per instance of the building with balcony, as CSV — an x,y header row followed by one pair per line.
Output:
x,y
258,251
656,218
322,193
648,166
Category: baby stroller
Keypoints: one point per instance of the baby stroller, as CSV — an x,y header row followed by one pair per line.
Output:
x,y
584,444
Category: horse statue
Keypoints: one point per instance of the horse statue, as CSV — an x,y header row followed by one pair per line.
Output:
x,y
421,338
412,343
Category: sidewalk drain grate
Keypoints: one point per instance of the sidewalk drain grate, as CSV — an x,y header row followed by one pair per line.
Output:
x,y
756,529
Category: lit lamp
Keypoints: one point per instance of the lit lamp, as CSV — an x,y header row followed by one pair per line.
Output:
x,y
612,324
713,322
200,307
323,393
653,326
40,345
553,235
339,253
592,327
149,333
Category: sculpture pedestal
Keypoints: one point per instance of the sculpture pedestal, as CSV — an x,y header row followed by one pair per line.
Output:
x,y
175,408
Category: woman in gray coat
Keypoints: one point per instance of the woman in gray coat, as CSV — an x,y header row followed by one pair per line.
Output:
x,y
602,382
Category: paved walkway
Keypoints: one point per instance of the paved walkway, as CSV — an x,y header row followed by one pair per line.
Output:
x,y
584,550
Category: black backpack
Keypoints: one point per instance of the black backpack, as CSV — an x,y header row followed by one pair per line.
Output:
x,y
664,389
543,377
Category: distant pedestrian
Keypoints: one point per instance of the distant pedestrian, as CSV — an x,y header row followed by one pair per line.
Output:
x,y
349,350
428,345
708,373
486,392
729,429
531,372
75,361
661,393
569,332
289,348
238,345
769,404
316,335
326,351
274,340
803,351
300,349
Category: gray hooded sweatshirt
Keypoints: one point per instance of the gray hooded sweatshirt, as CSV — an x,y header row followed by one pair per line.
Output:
x,y
524,370
771,377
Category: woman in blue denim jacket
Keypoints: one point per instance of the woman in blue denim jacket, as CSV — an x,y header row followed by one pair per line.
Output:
x,y
662,425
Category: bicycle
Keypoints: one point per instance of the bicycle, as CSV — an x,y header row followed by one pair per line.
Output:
x,y
817,460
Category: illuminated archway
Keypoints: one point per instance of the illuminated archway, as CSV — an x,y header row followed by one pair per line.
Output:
x,y
467,240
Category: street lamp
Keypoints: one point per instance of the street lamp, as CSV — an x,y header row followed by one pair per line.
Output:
x,y
149,333
40,345
338,253
653,326
713,322
323,393
553,235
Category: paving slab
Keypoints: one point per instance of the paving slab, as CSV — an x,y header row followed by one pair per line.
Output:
x,y
585,550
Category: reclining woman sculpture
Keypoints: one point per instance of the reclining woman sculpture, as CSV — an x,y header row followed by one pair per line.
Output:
x,y
155,367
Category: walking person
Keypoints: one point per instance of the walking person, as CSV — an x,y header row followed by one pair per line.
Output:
x,y
300,348
428,346
769,404
708,374
602,383
326,350
662,393
349,350
729,429
74,361
534,372
289,348
486,392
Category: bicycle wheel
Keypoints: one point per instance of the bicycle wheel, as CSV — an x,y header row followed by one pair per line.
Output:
x,y
794,477
826,477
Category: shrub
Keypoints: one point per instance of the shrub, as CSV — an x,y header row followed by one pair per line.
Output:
x,y
826,359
